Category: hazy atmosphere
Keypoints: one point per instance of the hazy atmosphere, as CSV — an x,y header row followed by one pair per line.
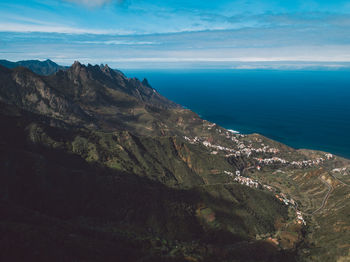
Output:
x,y
174,131
191,34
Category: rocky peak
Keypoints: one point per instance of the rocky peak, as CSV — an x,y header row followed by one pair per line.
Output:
x,y
50,62
77,70
145,82
76,65
90,82
108,71
106,68
94,68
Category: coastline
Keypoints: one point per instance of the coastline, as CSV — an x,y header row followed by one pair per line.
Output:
x,y
303,109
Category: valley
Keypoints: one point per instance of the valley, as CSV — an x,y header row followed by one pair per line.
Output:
x,y
97,166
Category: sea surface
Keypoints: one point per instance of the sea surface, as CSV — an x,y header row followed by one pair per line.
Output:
x,y
303,109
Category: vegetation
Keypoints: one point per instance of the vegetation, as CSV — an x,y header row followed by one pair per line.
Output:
x,y
98,167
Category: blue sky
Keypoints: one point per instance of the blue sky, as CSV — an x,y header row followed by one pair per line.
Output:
x,y
177,33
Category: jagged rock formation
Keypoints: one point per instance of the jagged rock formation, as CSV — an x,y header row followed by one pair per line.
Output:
x,y
97,166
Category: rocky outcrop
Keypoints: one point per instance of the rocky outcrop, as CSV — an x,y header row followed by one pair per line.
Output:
x,y
74,94
108,155
23,88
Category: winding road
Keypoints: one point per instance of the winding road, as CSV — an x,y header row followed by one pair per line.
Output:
x,y
345,184
324,201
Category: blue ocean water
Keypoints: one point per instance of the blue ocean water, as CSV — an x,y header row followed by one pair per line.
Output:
x,y
303,109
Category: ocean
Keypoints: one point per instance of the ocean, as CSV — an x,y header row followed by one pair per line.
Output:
x,y
303,109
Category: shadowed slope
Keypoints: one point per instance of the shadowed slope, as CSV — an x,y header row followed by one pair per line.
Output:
x,y
91,147
57,206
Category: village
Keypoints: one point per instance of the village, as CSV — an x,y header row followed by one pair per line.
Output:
x,y
280,196
342,170
242,149
243,180
248,150
300,164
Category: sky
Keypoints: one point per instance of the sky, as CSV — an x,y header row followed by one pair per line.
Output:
x,y
178,33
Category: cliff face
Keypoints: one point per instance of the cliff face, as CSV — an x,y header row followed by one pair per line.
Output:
x,y
31,92
103,165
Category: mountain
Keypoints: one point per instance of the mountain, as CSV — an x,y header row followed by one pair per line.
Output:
x,y
100,167
46,67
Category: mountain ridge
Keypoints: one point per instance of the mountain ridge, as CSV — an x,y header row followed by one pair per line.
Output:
x,y
228,191
46,67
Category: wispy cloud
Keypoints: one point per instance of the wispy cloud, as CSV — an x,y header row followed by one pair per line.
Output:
x,y
55,28
184,32
90,3
119,42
